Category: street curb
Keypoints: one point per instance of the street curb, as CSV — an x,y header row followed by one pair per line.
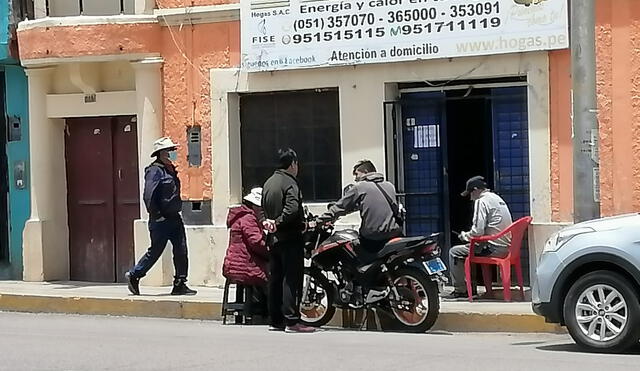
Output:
x,y
109,306
447,321
494,322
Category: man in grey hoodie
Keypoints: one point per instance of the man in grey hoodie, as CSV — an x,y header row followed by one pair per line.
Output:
x,y
491,216
375,198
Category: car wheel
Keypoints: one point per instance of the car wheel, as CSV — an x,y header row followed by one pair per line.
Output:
x,y
602,312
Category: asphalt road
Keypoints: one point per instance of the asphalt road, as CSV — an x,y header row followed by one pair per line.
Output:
x,y
69,342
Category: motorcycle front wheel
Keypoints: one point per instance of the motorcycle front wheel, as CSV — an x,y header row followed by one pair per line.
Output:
x,y
418,307
316,306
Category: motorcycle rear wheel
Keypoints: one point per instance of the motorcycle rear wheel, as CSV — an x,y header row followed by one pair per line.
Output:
x,y
319,307
419,294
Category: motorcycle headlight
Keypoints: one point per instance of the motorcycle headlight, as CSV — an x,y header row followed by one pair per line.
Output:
x,y
561,238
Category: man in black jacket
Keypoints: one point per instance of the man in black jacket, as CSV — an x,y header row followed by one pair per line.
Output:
x,y
282,205
162,199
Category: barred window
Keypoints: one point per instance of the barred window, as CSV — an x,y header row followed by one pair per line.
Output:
x,y
307,121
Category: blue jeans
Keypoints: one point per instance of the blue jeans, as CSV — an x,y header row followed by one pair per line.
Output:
x,y
162,232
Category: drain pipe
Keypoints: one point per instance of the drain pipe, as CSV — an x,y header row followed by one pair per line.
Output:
x,y
586,170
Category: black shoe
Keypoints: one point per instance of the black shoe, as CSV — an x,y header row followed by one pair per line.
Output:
x,y
133,283
180,288
276,327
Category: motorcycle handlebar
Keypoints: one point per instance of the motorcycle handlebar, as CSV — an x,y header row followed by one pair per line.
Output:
x,y
314,222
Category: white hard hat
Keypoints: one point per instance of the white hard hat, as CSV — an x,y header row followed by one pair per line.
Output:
x,y
255,196
163,143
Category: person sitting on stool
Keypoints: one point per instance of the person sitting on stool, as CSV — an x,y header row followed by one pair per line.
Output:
x,y
247,259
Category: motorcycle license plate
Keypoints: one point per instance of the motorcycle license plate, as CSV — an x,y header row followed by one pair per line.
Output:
x,y
434,266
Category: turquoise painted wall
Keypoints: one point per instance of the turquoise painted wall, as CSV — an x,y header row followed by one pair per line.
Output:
x,y
19,199
4,29
16,104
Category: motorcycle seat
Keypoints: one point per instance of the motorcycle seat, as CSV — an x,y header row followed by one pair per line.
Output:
x,y
393,246
400,244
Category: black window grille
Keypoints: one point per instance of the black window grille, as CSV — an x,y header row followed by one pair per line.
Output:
x,y
307,121
56,8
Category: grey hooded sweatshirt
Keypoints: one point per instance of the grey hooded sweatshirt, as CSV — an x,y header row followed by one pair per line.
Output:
x,y
378,222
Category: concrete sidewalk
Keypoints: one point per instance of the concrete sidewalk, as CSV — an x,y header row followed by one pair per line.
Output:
x,y
114,299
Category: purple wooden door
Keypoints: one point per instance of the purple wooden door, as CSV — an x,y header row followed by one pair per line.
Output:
x,y
127,197
89,161
103,199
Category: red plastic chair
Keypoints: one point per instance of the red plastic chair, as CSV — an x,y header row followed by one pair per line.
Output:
x,y
517,230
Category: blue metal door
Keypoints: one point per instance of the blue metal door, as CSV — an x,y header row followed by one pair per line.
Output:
x,y
511,148
423,185
16,110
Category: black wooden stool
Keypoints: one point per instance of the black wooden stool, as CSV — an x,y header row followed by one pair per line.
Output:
x,y
241,307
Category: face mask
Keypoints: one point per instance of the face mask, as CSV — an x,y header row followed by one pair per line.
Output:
x,y
173,155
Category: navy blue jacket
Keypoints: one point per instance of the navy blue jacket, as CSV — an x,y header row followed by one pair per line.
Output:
x,y
162,191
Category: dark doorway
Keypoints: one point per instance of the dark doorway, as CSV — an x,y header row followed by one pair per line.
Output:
x,y
4,178
103,199
470,149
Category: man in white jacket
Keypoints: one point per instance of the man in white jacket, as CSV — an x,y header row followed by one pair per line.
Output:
x,y
491,216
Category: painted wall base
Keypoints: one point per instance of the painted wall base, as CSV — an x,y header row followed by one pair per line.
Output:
x,y
207,246
41,247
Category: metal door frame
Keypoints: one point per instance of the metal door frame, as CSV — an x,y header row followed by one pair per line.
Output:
x,y
427,89
393,118
5,251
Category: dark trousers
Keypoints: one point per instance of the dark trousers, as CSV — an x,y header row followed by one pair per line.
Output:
x,y
162,232
367,251
372,246
286,264
255,300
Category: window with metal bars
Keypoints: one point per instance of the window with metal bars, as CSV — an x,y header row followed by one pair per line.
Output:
x,y
66,8
307,121
22,10
262,4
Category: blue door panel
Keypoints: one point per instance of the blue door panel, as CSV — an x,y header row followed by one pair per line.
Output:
x,y
511,148
422,119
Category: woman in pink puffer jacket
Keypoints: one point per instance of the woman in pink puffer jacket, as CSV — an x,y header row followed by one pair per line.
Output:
x,y
246,261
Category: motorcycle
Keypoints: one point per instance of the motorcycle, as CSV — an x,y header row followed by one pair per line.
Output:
x,y
401,281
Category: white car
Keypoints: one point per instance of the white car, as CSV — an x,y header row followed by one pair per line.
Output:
x,y
588,279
